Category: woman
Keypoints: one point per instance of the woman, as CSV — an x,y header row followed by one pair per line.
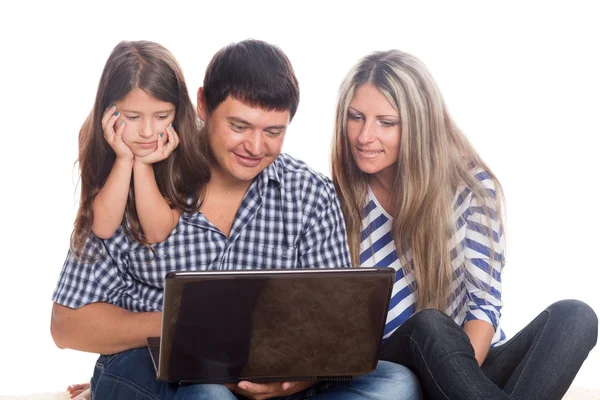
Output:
x,y
417,197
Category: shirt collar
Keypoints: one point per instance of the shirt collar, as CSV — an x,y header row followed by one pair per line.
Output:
x,y
270,174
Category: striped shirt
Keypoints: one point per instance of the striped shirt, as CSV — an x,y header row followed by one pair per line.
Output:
x,y
290,217
477,294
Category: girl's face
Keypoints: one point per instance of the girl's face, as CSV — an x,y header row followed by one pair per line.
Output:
x,y
373,130
145,118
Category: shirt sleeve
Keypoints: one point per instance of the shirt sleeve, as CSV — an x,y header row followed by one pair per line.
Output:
x,y
323,242
484,259
99,277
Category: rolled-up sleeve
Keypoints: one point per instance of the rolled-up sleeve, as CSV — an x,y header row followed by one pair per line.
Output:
x,y
484,245
97,277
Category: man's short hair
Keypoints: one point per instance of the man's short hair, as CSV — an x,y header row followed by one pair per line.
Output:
x,y
254,72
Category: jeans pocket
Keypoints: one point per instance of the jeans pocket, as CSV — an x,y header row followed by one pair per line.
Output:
x,y
104,360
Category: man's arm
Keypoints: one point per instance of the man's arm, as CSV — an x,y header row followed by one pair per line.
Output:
x,y
102,328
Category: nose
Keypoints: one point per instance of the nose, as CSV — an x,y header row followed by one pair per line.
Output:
x,y
254,142
367,133
146,130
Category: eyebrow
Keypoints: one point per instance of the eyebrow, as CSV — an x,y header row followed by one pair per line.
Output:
x,y
244,122
157,112
378,116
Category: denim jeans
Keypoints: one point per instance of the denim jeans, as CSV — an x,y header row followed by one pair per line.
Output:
x,y
130,375
539,362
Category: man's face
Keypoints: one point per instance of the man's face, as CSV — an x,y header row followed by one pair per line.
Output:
x,y
243,140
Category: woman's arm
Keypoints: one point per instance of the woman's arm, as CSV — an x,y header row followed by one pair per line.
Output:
x,y
481,334
484,260
102,328
157,218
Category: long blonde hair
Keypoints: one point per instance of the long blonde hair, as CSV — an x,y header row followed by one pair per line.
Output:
x,y
435,160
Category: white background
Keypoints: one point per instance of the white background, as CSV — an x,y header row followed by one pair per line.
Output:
x,y
520,78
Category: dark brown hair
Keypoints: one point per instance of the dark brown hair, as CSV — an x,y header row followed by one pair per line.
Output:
x,y
254,72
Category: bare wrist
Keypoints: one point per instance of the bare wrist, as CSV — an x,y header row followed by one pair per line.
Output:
x,y
137,163
124,161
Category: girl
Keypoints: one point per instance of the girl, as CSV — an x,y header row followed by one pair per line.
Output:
x,y
133,175
417,197
137,172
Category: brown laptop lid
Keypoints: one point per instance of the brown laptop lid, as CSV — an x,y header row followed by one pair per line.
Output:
x,y
273,325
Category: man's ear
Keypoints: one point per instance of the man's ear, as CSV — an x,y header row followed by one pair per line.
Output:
x,y
201,108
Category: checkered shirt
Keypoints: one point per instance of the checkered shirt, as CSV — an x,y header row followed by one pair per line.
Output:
x,y
290,217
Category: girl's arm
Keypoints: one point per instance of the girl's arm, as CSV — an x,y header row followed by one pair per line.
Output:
x,y
109,204
157,218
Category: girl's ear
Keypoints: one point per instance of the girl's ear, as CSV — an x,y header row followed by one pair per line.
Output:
x,y
201,108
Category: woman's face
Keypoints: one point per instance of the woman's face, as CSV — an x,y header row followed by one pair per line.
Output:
x,y
145,119
373,130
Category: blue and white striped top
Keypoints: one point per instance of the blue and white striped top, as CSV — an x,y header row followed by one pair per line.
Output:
x,y
477,295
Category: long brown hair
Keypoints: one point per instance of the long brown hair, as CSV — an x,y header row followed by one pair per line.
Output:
x,y
180,178
435,160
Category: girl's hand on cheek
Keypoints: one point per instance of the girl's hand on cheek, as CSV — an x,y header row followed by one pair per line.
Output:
x,y
113,137
166,144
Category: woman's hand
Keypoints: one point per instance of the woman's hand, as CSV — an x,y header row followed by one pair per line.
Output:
x,y
115,138
166,144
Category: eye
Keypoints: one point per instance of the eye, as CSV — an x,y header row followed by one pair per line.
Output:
x,y
274,133
237,127
163,116
355,117
387,124
132,117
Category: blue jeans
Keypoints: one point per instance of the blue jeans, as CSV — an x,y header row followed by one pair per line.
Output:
x,y
130,375
539,362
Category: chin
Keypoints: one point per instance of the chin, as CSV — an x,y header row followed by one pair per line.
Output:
x,y
144,154
368,169
245,174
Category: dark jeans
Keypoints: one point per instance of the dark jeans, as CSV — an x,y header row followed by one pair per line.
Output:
x,y
539,362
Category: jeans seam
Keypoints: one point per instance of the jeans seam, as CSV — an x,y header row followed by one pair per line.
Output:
x,y
427,365
537,342
132,385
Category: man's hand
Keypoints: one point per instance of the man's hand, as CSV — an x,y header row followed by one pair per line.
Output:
x,y
260,391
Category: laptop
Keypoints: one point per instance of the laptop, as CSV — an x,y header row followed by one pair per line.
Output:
x,y
271,325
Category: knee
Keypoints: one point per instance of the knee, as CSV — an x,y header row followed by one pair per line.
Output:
x,y
579,317
433,323
431,318
395,380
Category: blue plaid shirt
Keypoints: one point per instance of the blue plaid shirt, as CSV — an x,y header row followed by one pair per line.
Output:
x,y
290,217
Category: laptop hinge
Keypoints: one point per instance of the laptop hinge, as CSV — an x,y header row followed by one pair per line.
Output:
x,y
335,378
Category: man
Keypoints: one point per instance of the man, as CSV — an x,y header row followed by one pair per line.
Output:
x,y
261,209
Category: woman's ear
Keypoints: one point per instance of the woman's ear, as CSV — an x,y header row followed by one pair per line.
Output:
x,y
201,108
